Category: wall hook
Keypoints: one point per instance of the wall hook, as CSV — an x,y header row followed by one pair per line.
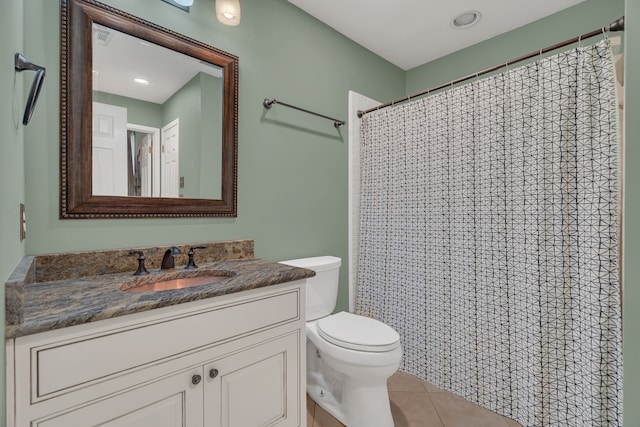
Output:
x,y
21,64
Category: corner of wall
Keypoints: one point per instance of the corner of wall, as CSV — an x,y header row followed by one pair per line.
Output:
x,y
12,179
356,102
631,233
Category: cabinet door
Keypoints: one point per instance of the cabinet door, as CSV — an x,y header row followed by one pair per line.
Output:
x,y
256,387
175,401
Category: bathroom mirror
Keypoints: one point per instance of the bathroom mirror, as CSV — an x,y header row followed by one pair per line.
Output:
x,y
148,123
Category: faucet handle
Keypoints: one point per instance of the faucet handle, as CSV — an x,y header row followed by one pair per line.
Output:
x,y
191,264
141,271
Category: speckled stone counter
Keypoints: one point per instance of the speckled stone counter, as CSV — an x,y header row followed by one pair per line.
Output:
x,y
37,306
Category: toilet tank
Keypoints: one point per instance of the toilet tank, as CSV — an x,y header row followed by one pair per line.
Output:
x,y
322,289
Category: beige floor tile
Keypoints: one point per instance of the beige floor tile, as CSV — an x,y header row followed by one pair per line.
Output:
x,y
512,423
413,409
413,406
324,419
458,412
311,406
430,388
401,381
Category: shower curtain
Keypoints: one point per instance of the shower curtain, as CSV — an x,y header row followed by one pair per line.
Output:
x,y
490,238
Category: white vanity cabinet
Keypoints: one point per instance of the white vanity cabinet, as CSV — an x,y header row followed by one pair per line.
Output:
x,y
167,402
231,361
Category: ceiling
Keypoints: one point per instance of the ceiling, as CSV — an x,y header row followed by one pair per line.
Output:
x,y
409,33
119,58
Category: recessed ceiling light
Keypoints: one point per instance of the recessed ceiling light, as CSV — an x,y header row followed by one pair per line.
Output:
x,y
465,20
141,81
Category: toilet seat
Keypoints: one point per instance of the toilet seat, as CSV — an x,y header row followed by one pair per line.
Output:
x,y
356,332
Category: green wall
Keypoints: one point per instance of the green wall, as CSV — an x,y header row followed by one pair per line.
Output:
x,y
563,25
631,288
138,112
185,105
211,144
12,177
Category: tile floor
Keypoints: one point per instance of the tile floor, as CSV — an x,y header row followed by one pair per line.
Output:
x,y
416,403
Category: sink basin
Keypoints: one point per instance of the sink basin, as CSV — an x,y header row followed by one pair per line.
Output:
x,y
148,284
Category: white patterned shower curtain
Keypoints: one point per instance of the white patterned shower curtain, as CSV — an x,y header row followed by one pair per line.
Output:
x,y
490,237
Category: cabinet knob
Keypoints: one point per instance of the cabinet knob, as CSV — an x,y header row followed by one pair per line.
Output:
x,y
196,379
213,373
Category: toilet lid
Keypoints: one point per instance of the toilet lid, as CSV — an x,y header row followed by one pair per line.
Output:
x,y
358,332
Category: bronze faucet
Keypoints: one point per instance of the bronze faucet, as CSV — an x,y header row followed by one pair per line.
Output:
x,y
168,261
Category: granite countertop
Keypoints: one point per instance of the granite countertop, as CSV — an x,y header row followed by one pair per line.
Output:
x,y
55,304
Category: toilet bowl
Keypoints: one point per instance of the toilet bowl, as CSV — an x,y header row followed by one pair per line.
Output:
x,y
349,357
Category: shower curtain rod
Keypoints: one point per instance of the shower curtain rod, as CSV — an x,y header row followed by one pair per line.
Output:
x,y
617,25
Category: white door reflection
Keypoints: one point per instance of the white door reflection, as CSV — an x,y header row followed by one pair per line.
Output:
x,y
109,154
144,171
170,171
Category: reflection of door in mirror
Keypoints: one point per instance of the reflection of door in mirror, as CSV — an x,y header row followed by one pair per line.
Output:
x,y
144,171
144,160
109,152
170,170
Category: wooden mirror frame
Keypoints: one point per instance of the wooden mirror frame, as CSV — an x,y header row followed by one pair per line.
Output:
x,y
76,199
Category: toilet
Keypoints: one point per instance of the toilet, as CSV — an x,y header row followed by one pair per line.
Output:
x,y
349,357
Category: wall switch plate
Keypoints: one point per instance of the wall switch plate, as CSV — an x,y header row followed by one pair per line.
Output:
x,y
23,223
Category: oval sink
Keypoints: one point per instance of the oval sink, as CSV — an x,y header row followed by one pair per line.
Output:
x,y
172,282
